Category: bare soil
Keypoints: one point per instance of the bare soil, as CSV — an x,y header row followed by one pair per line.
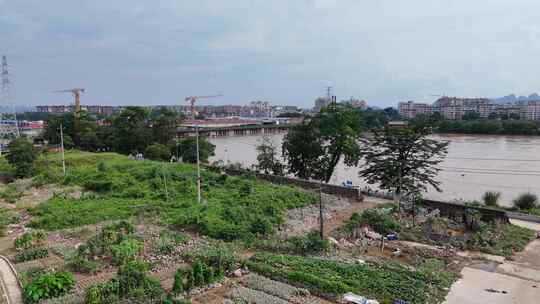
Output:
x,y
336,211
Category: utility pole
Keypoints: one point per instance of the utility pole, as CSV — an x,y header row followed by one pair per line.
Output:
x,y
62,145
321,219
198,166
165,180
5,92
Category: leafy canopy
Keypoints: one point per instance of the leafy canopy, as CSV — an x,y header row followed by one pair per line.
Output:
x,y
22,156
404,159
267,159
313,149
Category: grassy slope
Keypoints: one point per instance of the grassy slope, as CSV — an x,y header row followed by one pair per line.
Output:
x,y
236,207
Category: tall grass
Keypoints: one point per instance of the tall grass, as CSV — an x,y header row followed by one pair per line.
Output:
x,y
117,187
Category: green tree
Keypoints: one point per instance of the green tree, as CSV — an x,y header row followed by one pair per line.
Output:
x,y
339,127
51,133
131,130
157,152
89,140
164,123
188,149
314,149
402,159
78,131
526,201
267,159
471,115
302,148
22,156
491,198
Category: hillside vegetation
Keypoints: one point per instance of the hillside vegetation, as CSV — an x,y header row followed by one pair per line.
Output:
x,y
117,187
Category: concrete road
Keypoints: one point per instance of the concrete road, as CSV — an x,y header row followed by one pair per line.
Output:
x,y
481,287
10,283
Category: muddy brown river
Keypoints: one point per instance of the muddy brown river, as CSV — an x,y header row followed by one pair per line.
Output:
x,y
475,164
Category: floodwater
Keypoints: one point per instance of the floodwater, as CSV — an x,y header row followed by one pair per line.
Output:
x,y
475,164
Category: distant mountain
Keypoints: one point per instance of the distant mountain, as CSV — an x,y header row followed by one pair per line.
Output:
x,y
514,99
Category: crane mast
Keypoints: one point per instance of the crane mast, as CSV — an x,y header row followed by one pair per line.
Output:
x,y
193,99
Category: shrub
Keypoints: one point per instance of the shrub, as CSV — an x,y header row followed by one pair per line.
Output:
x,y
309,243
22,156
47,286
169,240
98,182
134,282
526,201
219,255
179,281
81,264
104,293
31,254
197,275
126,251
11,194
374,218
29,240
157,152
491,198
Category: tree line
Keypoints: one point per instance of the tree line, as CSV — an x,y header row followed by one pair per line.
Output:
x,y
471,123
132,131
402,160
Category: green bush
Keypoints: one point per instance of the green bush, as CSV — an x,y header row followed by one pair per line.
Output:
x,y
168,240
219,255
104,293
376,219
236,208
81,264
29,240
491,198
309,243
22,156
157,152
199,274
98,182
31,254
526,201
134,282
10,194
47,286
108,237
126,251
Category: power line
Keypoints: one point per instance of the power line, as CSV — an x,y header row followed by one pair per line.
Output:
x,y
490,173
487,185
495,159
492,170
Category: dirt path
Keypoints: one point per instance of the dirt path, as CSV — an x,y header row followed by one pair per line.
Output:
x,y
336,211
339,218
10,282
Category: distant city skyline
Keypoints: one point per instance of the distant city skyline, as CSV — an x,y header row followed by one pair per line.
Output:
x,y
147,53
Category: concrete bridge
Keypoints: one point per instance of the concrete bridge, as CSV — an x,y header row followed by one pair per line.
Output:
x,y
234,130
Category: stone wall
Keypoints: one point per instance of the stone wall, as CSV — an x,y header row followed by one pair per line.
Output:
x,y
457,211
452,210
352,193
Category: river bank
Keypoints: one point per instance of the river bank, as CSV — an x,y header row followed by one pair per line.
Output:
x,y
475,164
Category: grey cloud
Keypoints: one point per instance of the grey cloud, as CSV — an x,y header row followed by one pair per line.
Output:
x,y
150,52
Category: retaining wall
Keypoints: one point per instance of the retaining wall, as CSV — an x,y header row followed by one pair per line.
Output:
x,y
447,209
457,211
352,193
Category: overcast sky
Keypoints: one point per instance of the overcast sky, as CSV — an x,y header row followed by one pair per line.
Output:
x,y
285,51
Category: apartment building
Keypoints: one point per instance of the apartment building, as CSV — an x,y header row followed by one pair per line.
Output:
x,y
411,109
